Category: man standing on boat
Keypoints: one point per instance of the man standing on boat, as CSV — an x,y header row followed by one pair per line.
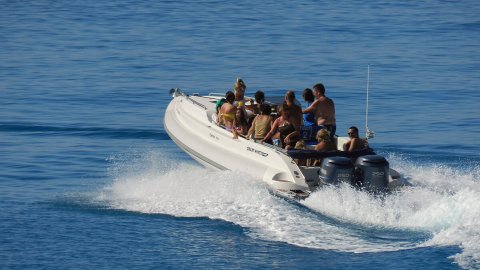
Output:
x,y
324,109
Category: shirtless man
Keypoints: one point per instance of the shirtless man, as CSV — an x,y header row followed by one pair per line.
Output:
x,y
323,108
295,110
355,143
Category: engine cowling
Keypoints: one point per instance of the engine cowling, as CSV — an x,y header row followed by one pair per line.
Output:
x,y
371,173
335,170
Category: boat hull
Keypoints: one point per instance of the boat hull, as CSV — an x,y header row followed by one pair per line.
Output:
x,y
188,122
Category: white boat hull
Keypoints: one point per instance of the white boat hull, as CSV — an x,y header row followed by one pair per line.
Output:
x,y
188,122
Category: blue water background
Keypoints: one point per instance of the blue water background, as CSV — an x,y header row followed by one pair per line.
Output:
x,y
83,91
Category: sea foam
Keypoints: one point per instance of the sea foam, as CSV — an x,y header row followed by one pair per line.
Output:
x,y
441,208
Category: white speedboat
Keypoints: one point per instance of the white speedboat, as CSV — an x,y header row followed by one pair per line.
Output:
x,y
190,122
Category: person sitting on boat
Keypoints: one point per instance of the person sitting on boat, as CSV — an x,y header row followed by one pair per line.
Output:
x,y
254,107
287,128
300,145
261,124
259,100
295,107
240,102
323,108
325,144
241,124
355,142
219,103
227,114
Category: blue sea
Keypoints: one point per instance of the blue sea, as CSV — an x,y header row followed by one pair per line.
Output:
x,y
89,179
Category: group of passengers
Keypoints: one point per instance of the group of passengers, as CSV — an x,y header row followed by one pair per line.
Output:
x,y
287,130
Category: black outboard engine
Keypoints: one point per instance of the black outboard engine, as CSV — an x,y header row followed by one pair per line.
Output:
x,y
371,173
335,170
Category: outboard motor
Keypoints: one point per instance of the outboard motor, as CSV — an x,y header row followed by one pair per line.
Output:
x,y
371,172
335,170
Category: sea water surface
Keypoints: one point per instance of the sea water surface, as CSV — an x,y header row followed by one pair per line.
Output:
x,y
89,179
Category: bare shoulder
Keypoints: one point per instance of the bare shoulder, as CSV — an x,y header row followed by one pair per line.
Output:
x,y
276,121
329,100
320,146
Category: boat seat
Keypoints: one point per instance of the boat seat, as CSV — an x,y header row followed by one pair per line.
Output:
x,y
306,154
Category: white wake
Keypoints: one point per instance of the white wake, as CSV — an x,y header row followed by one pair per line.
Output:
x,y
442,207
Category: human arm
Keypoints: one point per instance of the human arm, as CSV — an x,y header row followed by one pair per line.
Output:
x,y
346,146
272,131
294,134
355,144
311,108
291,136
252,128
219,117
319,147
234,122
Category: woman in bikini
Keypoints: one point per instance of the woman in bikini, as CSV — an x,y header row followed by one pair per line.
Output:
x,y
240,101
284,125
227,114
241,122
239,88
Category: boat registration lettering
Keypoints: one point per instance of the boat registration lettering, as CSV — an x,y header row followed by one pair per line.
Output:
x,y
256,151
213,136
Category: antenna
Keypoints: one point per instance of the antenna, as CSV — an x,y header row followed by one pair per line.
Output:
x,y
368,133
